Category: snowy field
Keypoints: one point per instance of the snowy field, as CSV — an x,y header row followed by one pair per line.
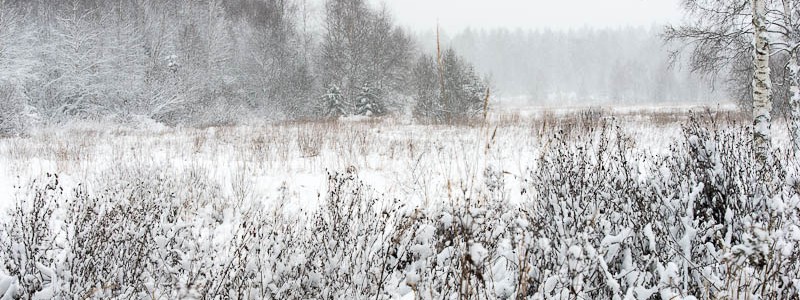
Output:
x,y
402,160
533,203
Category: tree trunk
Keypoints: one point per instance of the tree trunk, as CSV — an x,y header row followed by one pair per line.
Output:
x,y
793,69
794,100
762,86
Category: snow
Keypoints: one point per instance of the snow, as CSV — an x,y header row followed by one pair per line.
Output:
x,y
6,286
478,253
651,238
6,191
436,176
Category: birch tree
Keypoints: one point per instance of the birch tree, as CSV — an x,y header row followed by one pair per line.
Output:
x,y
724,33
762,85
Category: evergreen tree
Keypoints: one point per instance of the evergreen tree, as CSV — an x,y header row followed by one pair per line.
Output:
x,y
426,89
464,90
333,103
448,91
368,103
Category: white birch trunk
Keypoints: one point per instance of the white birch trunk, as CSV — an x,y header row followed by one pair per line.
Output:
x,y
762,86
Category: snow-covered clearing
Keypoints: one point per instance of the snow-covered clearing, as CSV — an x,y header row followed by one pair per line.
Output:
x,y
407,161
544,204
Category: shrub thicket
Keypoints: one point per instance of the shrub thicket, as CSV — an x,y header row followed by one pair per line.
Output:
x,y
599,218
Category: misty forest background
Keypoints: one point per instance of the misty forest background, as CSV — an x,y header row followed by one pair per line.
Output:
x,y
204,63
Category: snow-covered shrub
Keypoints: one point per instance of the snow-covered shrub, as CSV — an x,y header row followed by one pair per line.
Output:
x,y
470,251
723,219
690,222
597,218
351,241
593,216
29,242
146,233
309,141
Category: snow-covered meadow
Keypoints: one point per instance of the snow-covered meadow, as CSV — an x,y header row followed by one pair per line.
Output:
x,y
582,203
402,159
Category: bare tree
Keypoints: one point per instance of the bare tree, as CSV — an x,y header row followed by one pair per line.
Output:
x,y
718,40
82,63
343,49
791,41
363,46
154,26
725,33
16,68
271,56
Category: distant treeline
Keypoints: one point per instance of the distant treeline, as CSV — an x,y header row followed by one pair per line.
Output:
x,y
626,65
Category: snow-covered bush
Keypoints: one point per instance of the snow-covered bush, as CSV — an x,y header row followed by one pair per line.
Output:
x,y
687,223
351,239
597,218
144,233
28,242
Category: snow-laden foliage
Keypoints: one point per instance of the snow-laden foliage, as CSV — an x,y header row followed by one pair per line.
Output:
x,y
448,89
333,104
598,218
690,222
150,237
369,102
199,63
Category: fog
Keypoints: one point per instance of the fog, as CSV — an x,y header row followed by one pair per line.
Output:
x,y
575,51
587,66
456,15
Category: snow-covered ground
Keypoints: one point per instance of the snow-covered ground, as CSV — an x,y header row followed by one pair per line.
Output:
x,y
540,202
412,162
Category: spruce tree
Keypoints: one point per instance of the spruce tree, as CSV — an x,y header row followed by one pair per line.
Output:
x,y
333,103
368,103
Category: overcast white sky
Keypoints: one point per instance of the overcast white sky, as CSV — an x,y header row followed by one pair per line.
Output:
x,y
454,15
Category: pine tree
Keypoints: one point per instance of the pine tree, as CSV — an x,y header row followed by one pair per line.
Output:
x,y
368,103
464,90
448,91
333,103
426,87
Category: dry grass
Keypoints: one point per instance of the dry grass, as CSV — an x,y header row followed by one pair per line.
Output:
x,y
450,168
418,161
